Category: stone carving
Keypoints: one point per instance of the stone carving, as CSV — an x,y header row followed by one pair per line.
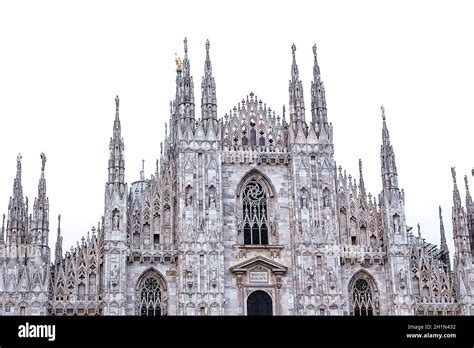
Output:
x,y
304,203
402,279
115,220
190,276
213,277
326,202
189,198
272,226
396,223
331,279
164,305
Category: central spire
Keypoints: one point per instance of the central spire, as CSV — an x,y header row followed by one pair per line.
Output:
x,y
116,148
387,157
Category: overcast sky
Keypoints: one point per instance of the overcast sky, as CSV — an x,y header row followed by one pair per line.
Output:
x,y
63,62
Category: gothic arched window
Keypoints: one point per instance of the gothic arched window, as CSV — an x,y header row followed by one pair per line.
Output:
x,y
150,297
255,214
362,298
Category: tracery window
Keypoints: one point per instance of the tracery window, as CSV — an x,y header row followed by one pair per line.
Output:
x,y
362,298
150,297
255,214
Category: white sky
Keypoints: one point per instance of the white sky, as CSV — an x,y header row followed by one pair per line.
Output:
x,y
63,62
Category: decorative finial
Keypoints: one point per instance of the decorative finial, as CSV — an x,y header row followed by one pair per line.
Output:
x,y
207,47
185,45
18,158
117,101
383,112
360,166
142,172
453,173
43,161
314,49
440,212
419,230
466,183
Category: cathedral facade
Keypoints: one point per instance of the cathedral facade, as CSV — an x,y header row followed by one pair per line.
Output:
x,y
247,214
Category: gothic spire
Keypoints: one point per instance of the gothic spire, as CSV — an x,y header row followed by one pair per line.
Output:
x,y
318,93
460,231
387,157
59,242
17,209
296,95
41,208
208,89
142,172
116,147
2,235
468,194
444,245
185,92
361,183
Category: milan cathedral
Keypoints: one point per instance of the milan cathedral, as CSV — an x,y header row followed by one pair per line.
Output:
x,y
245,215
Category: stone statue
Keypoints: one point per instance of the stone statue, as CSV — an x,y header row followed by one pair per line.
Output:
x,y
189,198
164,305
213,277
331,280
212,199
309,273
326,199
239,225
402,279
114,272
303,201
179,64
115,221
43,161
272,226
396,223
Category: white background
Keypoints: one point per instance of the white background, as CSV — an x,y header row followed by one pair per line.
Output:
x,y
63,62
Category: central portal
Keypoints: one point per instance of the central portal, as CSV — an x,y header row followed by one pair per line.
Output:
x,y
259,303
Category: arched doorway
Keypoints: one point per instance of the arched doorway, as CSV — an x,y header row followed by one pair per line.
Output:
x,y
259,303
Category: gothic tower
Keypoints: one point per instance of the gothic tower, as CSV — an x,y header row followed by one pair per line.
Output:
x,y
25,256
392,206
115,222
462,260
313,200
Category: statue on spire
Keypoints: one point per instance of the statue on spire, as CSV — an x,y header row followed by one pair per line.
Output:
x,y
43,161
179,63
383,112
117,101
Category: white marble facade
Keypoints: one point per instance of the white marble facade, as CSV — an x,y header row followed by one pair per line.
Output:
x,y
246,214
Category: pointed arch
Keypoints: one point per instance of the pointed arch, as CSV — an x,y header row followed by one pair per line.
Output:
x,y
255,174
151,298
255,207
363,294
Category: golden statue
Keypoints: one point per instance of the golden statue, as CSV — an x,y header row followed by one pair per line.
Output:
x,y
179,64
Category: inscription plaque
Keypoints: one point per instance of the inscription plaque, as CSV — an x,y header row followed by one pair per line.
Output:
x,y
258,277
